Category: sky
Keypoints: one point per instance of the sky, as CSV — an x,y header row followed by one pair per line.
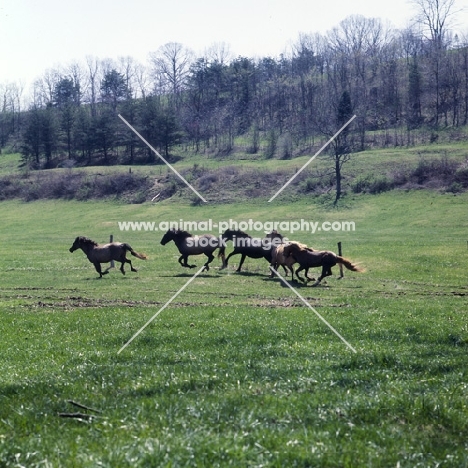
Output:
x,y
40,35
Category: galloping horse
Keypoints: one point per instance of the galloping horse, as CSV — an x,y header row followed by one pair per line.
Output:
x,y
104,253
278,258
317,258
249,246
193,245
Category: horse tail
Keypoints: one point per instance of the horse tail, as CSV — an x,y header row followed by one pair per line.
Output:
x,y
348,264
141,256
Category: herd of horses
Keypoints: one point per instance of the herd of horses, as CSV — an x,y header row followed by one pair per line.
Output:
x,y
273,248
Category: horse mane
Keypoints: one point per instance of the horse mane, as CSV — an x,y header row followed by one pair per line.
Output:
x,y
87,240
300,245
293,246
236,232
184,234
274,234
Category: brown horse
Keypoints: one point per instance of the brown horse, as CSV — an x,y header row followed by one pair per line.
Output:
x,y
193,245
278,258
317,258
104,253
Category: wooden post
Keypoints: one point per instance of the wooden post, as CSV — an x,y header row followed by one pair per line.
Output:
x,y
111,239
340,253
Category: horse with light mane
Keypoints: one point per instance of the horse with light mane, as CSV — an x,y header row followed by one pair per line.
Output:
x,y
104,253
278,258
317,258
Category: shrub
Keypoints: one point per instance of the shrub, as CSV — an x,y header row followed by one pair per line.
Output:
x,y
461,176
372,184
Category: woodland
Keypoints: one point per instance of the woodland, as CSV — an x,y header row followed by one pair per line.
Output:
x,y
403,86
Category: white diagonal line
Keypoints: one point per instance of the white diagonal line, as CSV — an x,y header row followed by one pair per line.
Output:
x,y
312,158
161,309
162,159
313,310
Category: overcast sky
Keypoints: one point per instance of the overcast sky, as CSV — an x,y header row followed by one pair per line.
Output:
x,y
36,35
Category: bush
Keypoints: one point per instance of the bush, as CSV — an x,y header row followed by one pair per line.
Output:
x,y
461,176
442,169
70,185
372,184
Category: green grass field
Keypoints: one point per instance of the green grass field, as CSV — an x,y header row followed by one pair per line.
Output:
x,y
236,371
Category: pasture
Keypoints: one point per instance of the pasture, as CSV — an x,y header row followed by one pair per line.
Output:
x,y
236,371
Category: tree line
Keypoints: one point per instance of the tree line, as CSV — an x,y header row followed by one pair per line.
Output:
x,y
395,81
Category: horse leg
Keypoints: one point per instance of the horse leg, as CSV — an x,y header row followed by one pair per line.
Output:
x,y
97,265
185,259
297,274
227,258
275,267
131,266
241,263
210,259
123,262
325,270
307,275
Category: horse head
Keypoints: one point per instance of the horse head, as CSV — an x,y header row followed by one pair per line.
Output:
x,y
174,234
274,235
170,234
291,248
81,241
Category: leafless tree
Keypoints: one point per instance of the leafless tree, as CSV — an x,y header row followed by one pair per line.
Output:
x,y
219,52
93,81
171,65
434,16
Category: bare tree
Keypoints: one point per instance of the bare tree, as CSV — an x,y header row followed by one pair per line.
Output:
x,y
356,45
142,80
219,52
93,81
434,16
171,64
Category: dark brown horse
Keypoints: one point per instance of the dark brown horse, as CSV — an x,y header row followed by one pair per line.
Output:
x,y
193,245
249,246
104,253
317,258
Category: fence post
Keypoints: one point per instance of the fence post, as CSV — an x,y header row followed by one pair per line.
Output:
x,y
111,239
340,253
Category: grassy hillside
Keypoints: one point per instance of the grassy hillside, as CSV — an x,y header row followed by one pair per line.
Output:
x,y
240,176
236,371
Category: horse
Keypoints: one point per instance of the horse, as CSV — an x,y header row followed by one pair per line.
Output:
x,y
278,258
193,245
249,246
104,253
317,258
